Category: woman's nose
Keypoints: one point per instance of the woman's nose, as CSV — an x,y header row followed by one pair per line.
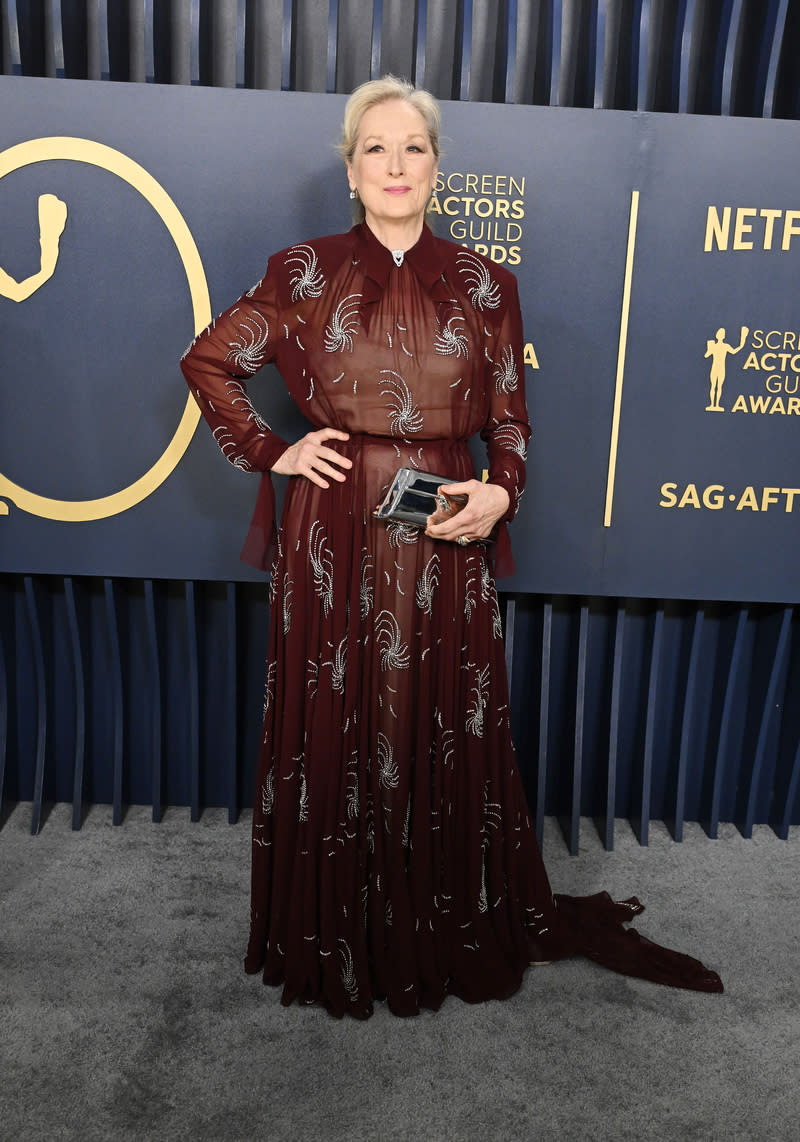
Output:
x,y
396,163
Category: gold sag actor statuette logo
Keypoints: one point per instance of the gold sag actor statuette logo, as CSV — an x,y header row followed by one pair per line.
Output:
x,y
52,220
772,360
718,351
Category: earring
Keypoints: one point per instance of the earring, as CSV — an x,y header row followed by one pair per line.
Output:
x,y
434,198
354,193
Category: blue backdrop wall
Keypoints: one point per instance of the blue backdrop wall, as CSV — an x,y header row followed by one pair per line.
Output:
x,y
123,689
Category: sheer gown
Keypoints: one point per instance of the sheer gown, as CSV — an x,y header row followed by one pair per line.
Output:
x,y
393,851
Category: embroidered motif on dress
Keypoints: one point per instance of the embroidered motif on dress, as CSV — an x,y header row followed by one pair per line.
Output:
x,y
452,340
307,280
427,584
227,442
398,532
366,590
338,665
288,591
393,651
321,559
405,416
249,349
510,436
505,375
483,290
343,325
477,705
388,774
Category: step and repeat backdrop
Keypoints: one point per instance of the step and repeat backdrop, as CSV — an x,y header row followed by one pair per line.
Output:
x,y
658,258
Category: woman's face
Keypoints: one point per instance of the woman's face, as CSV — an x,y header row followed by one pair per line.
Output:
x,y
393,167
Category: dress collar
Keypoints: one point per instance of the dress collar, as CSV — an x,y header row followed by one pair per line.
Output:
x,y
426,258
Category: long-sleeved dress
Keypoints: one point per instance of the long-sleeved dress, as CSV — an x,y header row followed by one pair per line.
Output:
x,y
393,852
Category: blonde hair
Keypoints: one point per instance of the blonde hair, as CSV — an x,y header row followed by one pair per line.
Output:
x,y
381,90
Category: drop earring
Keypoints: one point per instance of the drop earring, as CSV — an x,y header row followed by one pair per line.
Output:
x,y
354,193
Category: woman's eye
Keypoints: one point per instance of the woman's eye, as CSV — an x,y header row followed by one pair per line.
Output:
x,y
374,149
414,147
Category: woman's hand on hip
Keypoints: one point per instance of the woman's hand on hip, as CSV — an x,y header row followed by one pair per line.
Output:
x,y
486,504
312,458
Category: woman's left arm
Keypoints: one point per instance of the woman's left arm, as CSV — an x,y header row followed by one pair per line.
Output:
x,y
506,433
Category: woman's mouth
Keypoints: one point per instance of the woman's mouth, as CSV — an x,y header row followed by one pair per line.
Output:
x,y
397,189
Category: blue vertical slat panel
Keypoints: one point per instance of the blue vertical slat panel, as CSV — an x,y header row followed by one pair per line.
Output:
x,y
675,70
241,43
11,38
758,61
79,696
570,61
771,704
775,43
570,824
193,686
114,676
544,715
786,776
586,55
458,53
232,700
510,51
729,69
687,77
720,762
54,33
4,702
333,46
287,46
154,676
721,28
641,819
555,24
599,60
194,47
606,827
420,42
37,648
785,820
241,30
466,48
643,54
510,624
376,52
687,726
149,43
102,40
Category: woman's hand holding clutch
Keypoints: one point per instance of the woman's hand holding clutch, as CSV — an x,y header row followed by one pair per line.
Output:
x,y
486,504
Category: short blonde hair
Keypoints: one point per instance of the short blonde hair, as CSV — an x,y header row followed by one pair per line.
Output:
x,y
381,90
376,91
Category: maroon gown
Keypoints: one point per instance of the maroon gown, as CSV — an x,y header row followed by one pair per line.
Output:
x,y
393,851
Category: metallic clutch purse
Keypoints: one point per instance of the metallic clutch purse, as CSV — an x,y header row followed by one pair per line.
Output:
x,y
414,495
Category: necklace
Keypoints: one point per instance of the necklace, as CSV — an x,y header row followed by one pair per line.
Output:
x,y
398,256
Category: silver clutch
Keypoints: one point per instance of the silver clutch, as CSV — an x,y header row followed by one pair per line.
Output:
x,y
414,495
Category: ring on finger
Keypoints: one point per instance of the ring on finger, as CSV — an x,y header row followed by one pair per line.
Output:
x,y
462,541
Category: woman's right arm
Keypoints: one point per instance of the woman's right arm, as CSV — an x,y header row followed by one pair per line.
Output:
x,y
217,365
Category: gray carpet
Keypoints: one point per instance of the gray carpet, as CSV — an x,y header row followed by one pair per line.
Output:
x,y
125,1013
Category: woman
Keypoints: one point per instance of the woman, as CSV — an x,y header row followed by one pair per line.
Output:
x,y
393,852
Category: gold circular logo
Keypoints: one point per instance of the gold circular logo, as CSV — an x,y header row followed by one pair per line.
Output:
x,y
99,155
